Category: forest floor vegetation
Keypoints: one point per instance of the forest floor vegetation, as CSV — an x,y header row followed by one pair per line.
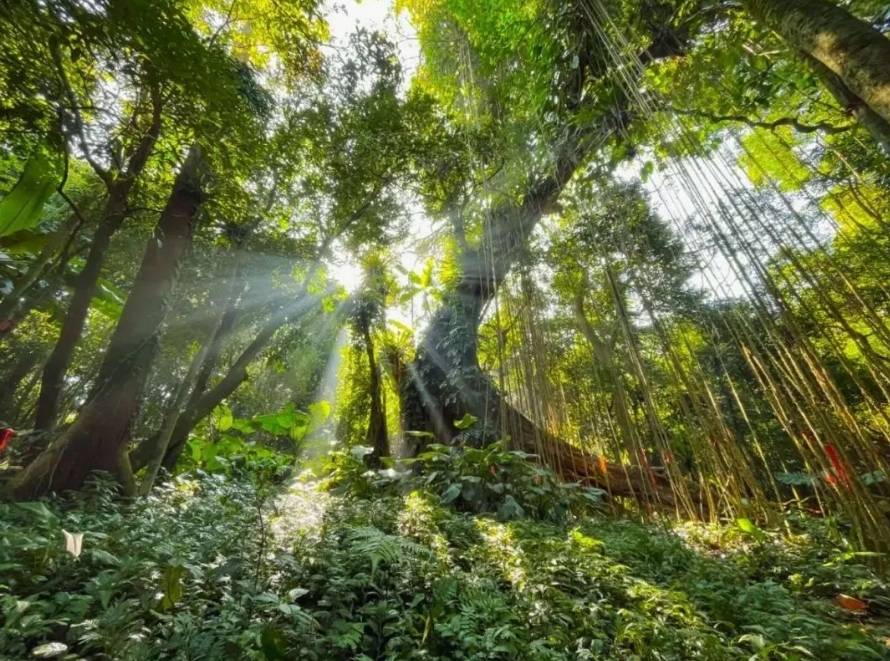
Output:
x,y
379,565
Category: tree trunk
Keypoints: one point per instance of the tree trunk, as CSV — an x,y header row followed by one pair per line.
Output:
x,y
202,403
162,439
10,304
433,399
53,378
445,381
867,118
152,455
27,361
376,436
604,355
847,46
99,437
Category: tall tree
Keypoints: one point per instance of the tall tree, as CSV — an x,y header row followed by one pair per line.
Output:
x,y
446,380
101,431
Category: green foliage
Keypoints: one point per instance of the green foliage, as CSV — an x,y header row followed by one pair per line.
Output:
x,y
507,483
208,567
271,441
21,207
492,480
182,569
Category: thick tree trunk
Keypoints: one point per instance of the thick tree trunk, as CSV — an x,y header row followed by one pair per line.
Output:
x,y
99,437
852,104
847,46
376,436
445,380
433,399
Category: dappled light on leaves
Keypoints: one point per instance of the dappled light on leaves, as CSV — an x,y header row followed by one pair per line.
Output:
x,y
567,338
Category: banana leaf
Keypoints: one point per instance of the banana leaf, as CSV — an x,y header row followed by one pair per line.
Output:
x,y
21,208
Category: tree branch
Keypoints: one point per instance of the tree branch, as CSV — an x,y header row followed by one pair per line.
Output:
x,y
76,117
824,127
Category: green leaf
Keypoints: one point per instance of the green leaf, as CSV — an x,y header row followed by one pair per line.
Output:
x,y
749,527
510,509
297,432
319,412
452,492
466,422
273,643
39,510
224,417
244,426
171,585
105,557
270,424
22,206
49,650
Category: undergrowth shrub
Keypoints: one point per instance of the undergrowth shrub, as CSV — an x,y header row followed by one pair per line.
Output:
x,y
176,575
489,480
218,567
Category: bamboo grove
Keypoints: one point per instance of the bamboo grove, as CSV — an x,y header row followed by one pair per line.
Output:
x,y
651,243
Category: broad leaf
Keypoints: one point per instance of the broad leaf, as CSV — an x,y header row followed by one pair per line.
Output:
x,y
22,206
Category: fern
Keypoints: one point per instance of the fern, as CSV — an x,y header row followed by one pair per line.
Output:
x,y
378,546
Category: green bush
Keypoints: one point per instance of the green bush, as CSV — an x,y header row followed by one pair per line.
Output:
x,y
489,480
227,567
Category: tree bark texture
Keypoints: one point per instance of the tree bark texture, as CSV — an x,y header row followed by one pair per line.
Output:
x,y
847,46
99,437
376,436
112,217
53,379
852,104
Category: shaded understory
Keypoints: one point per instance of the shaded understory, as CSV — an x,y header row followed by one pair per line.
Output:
x,y
215,569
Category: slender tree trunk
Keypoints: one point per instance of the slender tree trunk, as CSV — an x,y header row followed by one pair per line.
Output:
x,y
53,378
99,437
604,354
27,361
376,436
201,404
168,426
847,46
187,394
10,304
220,334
